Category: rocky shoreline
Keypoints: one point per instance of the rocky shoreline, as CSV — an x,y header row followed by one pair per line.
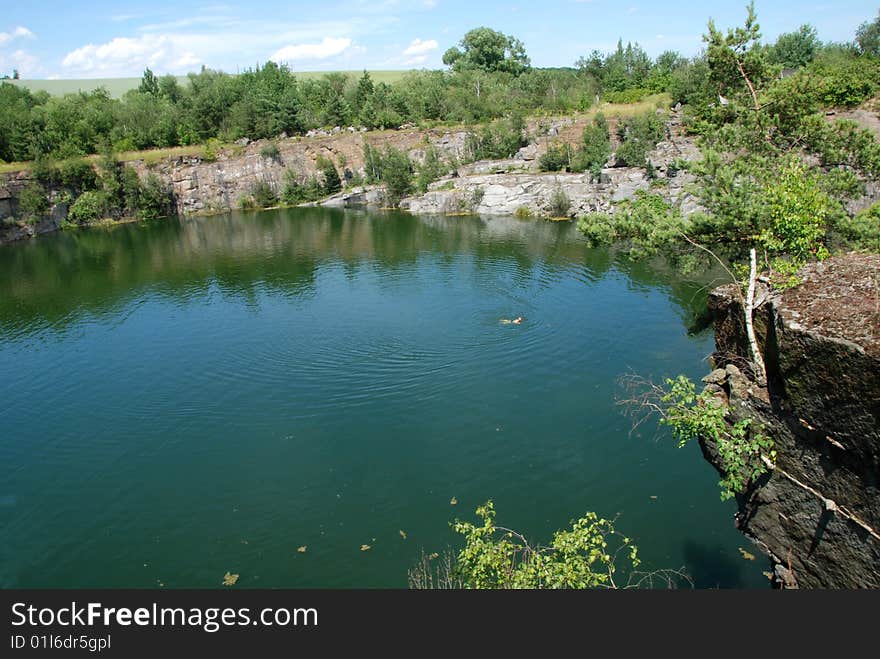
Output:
x,y
203,186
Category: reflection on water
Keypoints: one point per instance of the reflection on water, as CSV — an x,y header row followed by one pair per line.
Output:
x,y
180,399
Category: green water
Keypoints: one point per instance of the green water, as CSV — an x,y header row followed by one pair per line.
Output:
x,y
187,398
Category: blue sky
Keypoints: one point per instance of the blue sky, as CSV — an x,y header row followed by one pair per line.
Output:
x,y
55,39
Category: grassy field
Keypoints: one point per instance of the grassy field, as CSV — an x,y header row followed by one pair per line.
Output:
x,y
118,86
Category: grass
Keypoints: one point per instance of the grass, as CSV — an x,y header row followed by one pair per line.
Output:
x,y
118,86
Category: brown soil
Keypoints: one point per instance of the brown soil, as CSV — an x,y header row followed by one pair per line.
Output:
x,y
839,298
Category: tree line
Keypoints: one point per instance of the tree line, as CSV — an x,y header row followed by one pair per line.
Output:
x,y
489,76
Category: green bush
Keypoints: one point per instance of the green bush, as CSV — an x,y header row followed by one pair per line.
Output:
x,y
332,182
247,203
556,158
633,95
432,169
596,147
591,554
88,207
33,202
78,174
863,230
638,136
560,204
210,150
701,416
263,195
156,199
270,151
646,222
499,140
44,170
797,213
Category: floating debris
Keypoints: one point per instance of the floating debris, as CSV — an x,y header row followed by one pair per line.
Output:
x,y
365,547
746,555
229,579
302,550
402,534
453,501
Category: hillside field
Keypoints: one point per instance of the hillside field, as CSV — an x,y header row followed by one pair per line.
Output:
x,y
118,86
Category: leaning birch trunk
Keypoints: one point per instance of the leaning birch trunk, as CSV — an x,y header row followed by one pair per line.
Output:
x,y
757,359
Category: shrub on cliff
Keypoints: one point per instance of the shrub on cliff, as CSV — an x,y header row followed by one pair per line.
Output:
x,y
638,136
33,202
596,147
88,207
156,199
263,195
332,182
77,175
431,169
557,157
397,174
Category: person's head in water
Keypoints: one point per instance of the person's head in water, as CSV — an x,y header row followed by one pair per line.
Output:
x,y
517,320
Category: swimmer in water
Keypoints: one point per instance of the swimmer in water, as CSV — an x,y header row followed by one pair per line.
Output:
x,y
515,321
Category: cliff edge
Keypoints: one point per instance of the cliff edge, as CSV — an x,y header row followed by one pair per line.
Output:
x,y
817,513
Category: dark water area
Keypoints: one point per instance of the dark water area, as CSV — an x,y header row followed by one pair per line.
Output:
x,y
189,397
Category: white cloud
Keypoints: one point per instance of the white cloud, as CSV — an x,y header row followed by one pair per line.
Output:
x,y
18,33
328,47
419,47
429,4
129,56
26,64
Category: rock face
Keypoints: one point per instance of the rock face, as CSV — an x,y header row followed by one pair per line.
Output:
x,y
817,514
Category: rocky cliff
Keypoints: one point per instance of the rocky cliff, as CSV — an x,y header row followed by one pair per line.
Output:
x,y
817,513
215,184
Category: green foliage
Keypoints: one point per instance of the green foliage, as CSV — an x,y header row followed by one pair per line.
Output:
x,y
332,182
523,212
396,171
690,415
589,555
499,140
632,95
638,136
263,195
270,151
797,212
736,55
793,50
596,147
247,203
486,50
88,207
868,37
149,83
560,204
78,175
155,199
861,231
33,202
646,223
557,157
210,150
431,169
297,191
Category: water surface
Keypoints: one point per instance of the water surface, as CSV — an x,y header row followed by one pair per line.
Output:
x,y
185,398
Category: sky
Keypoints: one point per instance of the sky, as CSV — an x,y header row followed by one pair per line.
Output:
x,y
104,39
